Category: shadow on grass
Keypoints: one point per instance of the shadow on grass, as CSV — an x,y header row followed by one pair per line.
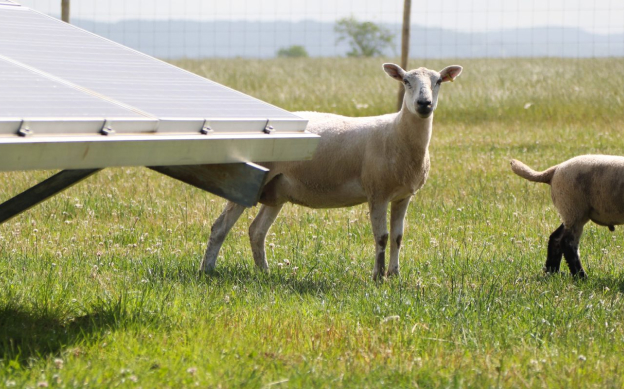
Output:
x,y
599,282
614,282
300,280
30,334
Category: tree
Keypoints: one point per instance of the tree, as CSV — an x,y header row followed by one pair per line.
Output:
x,y
295,51
365,38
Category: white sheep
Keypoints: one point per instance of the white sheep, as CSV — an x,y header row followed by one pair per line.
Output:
x,y
381,160
584,188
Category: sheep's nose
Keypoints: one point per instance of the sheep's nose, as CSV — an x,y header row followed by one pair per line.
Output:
x,y
424,108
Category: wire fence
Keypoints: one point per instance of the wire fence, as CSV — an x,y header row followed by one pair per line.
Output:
x,y
444,29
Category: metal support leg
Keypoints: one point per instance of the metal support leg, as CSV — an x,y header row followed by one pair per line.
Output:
x,y
42,191
241,183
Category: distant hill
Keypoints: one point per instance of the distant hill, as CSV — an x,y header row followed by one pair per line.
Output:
x,y
225,39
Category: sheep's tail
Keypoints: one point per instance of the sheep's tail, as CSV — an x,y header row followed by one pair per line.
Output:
x,y
526,172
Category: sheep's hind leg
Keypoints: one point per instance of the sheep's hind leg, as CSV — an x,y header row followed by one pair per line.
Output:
x,y
258,231
555,253
398,210
378,213
569,245
218,232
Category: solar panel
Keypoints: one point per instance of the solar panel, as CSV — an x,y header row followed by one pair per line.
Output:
x,y
65,87
57,107
26,93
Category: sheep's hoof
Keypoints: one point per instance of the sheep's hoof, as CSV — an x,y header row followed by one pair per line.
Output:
x,y
392,272
580,275
207,272
550,270
378,276
207,267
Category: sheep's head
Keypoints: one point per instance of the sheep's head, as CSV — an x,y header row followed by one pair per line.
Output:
x,y
422,86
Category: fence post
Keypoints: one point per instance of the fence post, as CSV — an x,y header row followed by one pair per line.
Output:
x,y
407,5
65,10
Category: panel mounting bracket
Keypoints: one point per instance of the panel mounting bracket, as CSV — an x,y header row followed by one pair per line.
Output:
x,y
107,129
206,129
268,128
24,129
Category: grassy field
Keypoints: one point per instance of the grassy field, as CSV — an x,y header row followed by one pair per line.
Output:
x,y
99,285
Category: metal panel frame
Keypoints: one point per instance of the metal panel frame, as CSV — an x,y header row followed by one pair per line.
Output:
x,y
88,152
186,145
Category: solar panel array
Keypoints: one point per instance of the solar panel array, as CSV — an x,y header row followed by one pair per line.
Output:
x,y
56,55
62,88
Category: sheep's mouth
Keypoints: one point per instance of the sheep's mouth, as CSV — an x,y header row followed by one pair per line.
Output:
x,y
424,112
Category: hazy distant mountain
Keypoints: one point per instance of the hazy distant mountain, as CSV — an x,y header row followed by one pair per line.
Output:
x,y
223,39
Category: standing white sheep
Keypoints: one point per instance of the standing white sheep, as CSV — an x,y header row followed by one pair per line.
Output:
x,y
584,188
381,160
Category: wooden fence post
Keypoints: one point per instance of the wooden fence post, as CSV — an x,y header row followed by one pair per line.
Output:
x,y
65,10
405,37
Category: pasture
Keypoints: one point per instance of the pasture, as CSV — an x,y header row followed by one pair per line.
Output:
x,y
99,285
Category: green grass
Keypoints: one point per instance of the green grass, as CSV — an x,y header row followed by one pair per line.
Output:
x,y
99,285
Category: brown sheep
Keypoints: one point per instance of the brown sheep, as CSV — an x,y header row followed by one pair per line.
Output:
x,y
584,188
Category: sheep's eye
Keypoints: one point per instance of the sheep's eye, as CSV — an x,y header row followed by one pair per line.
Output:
x,y
407,83
439,81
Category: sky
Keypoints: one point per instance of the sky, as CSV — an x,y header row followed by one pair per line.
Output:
x,y
596,16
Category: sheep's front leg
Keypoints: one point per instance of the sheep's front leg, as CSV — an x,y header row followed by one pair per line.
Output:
x,y
569,245
398,210
378,212
555,253
258,231
218,232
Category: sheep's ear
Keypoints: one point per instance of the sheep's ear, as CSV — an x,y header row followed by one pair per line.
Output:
x,y
394,71
450,73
